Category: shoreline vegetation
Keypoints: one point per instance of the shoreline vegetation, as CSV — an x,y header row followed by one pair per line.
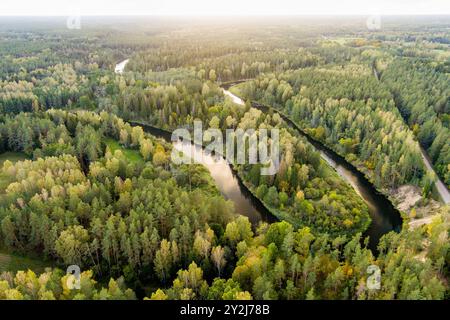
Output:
x,y
240,174
403,202
362,170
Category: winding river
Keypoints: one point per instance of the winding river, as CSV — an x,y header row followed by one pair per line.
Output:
x,y
225,178
121,66
384,216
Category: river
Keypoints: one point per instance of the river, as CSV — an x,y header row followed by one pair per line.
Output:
x,y
227,181
225,178
384,216
121,66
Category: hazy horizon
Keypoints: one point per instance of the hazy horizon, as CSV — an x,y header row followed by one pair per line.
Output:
x,y
215,8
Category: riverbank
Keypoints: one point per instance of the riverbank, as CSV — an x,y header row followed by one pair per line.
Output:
x,y
226,176
120,67
387,216
404,199
269,213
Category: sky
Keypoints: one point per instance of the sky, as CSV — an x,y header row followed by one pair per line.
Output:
x,y
221,7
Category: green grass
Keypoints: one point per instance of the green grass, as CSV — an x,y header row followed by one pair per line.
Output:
x,y
13,157
132,155
14,263
236,89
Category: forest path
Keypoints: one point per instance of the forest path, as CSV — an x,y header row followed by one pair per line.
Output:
x,y
420,222
440,186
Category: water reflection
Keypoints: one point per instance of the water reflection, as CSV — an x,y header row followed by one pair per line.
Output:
x,y
384,216
226,180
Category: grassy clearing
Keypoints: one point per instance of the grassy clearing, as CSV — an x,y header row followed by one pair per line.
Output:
x,y
14,263
132,155
11,156
236,89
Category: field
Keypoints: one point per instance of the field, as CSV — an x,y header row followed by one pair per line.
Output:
x,y
14,263
132,155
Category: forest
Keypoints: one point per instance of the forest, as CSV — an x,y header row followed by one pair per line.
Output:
x,y
83,181
347,109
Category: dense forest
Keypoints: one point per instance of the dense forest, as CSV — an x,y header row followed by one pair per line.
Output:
x,y
425,104
349,110
82,184
302,190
